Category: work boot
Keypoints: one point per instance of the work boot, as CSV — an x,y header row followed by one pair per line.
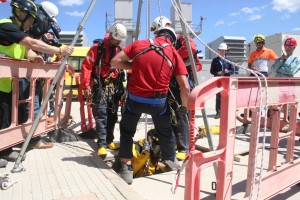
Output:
x,y
3,163
126,173
217,116
13,156
113,146
171,165
181,155
117,165
102,152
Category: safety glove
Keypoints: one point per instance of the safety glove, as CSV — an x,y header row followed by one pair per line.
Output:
x,y
182,110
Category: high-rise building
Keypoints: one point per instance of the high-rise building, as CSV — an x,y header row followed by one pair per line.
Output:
x,y
236,45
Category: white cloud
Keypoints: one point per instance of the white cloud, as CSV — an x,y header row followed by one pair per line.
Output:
x,y
75,14
234,14
296,29
71,2
247,10
218,23
231,23
254,17
291,6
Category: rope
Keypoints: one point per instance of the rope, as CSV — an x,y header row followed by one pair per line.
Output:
x,y
257,74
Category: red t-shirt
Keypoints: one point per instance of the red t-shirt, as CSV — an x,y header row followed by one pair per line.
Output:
x,y
151,72
182,51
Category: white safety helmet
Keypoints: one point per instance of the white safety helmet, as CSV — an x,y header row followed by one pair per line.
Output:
x,y
159,23
223,46
50,8
171,31
118,31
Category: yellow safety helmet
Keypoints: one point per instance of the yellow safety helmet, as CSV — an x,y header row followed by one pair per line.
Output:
x,y
259,38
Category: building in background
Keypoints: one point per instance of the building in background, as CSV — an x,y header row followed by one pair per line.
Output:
x,y
66,38
186,9
125,16
236,45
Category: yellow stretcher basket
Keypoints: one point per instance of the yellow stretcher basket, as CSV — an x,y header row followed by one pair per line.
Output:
x,y
212,129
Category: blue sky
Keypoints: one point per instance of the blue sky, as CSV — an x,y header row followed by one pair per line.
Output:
x,y
226,17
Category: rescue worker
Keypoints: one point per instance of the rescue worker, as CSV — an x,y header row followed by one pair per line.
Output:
x,y
180,122
39,28
258,59
181,48
153,64
104,85
15,43
287,65
219,67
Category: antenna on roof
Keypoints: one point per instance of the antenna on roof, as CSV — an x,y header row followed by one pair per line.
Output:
x,y
107,24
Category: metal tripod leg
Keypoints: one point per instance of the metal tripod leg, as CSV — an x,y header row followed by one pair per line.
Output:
x,y
210,142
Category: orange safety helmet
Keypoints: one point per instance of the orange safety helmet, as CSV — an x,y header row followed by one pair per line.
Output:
x,y
290,42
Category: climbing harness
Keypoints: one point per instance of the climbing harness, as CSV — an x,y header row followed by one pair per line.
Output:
x,y
159,50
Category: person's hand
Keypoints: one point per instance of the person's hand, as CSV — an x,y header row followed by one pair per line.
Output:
x,y
66,51
220,73
87,94
226,71
49,36
182,110
283,57
38,59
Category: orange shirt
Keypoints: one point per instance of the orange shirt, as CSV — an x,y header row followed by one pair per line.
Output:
x,y
259,59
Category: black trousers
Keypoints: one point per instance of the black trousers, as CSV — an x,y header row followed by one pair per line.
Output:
x,y
181,129
160,114
105,113
218,102
5,109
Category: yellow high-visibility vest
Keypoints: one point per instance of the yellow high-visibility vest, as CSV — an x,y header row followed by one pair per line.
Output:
x,y
14,51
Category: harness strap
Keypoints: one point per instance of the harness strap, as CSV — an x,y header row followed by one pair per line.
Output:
x,y
158,49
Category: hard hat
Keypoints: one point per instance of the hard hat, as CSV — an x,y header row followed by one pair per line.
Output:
x,y
259,38
223,46
50,8
25,6
118,31
171,31
290,42
160,22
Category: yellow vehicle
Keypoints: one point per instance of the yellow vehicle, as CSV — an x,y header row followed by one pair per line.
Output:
x,y
75,60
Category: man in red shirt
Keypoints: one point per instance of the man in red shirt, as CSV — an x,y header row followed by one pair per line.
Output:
x,y
153,64
102,83
180,122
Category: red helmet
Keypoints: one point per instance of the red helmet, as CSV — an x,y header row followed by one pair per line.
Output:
x,y
290,42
